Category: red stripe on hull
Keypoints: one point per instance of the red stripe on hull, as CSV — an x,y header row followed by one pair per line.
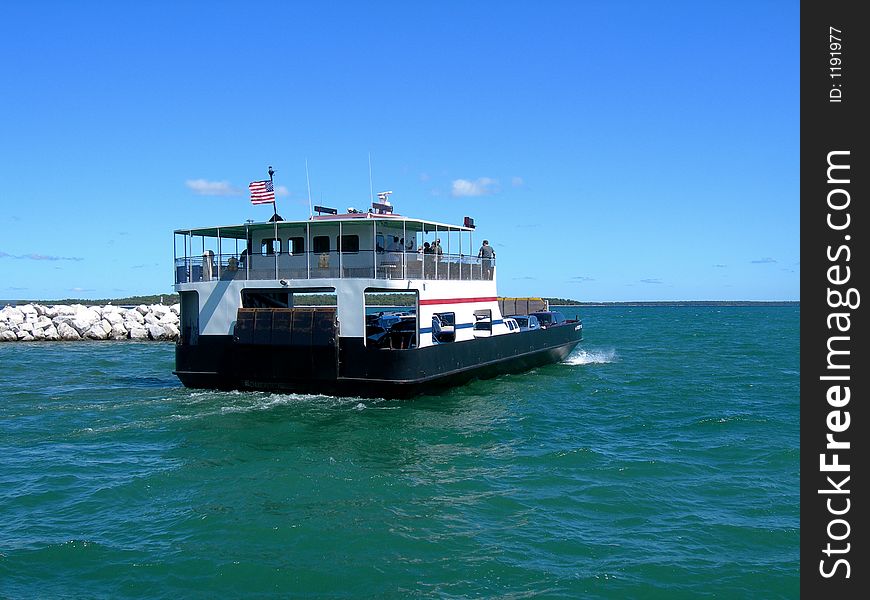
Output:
x,y
457,300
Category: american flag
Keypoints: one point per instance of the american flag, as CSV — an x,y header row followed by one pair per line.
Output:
x,y
262,192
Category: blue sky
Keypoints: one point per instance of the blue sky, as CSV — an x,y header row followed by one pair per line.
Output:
x,y
608,150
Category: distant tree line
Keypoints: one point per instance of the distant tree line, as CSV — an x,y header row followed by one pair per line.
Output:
x,y
166,299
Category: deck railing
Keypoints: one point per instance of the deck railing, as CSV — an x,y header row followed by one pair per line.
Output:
x,y
365,264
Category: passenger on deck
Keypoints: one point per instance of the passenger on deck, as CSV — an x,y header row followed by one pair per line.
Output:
x,y
428,261
208,265
440,266
487,255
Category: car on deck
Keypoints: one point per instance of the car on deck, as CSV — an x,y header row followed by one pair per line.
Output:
x,y
549,318
526,322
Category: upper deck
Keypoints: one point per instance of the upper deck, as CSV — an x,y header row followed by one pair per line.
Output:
x,y
353,245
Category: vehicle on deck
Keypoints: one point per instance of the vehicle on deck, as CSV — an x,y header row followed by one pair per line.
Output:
x,y
527,322
549,318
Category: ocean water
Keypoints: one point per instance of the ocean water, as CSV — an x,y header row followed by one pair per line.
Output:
x,y
660,460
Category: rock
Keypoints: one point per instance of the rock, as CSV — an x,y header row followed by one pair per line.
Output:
x,y
68,332
63,322
156,331
96,332
134,315
85,319
112,315
138,333
168,319
13,315
160,310
118,332
65,310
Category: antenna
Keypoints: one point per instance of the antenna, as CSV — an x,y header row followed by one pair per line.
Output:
x,y
371,189
308,180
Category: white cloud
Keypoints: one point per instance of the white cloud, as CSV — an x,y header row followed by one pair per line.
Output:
x,y
38,256
517,181
203,187
282,191
482,186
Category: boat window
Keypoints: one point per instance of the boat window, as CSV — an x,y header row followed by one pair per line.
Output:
x,y
320,243
379,242
483,321
189,318
443,327
349,243
296,245
263,298
391,319
271,246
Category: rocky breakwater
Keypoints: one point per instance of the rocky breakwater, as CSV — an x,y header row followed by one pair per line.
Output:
x,y
35,322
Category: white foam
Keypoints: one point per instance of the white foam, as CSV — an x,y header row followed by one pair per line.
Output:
x,y
590,357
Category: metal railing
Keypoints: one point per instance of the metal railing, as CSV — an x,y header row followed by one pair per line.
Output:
x,y
365,264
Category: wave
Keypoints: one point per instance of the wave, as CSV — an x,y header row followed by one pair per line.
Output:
x,y
590,357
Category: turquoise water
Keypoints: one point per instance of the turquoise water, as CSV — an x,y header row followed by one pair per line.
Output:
x,y
659,461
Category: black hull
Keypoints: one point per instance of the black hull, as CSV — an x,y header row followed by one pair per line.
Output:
x,y
351,369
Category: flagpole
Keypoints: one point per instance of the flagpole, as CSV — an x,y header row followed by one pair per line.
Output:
x,y
308,180
274,205
371,189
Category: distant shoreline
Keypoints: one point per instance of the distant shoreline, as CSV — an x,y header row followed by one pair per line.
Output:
x,y
173,299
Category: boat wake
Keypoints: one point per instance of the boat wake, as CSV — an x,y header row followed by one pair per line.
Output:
x,y
590,357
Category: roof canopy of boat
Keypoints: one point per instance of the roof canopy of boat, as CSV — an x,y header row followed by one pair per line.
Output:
x,y
242,232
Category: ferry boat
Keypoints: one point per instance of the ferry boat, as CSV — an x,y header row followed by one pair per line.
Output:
x,y
288,306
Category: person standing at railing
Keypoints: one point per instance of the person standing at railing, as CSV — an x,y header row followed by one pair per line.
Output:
x,y
207,265
427,260
393,259
440,267
487,256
